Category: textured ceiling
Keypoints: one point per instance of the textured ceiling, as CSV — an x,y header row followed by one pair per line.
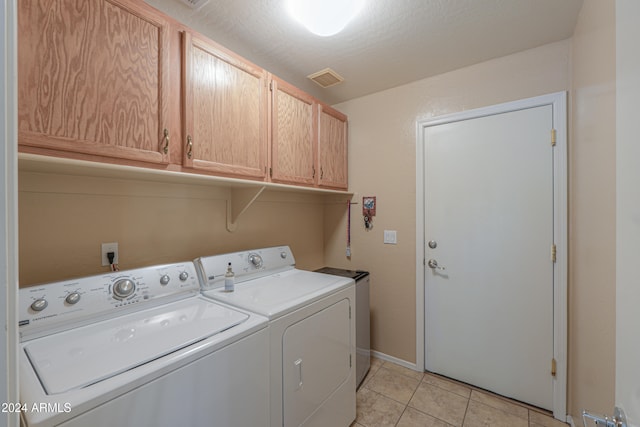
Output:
x,y
390,43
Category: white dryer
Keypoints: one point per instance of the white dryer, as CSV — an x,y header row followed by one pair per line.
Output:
x,y
311,329
140,348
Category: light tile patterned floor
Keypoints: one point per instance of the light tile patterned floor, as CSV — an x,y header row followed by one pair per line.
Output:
x,y
394,396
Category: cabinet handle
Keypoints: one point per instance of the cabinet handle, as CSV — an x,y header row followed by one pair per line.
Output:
x,y
189,146
321,172
166,141
313,169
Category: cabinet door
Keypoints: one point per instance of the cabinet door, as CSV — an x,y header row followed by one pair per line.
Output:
x,y
225,111
332,148
93,78
293,139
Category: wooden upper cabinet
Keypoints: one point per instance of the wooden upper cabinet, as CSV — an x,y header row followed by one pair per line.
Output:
x,y
225,111
293,134
93,78
332,148
118,81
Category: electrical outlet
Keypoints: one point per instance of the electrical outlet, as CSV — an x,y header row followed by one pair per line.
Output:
x,y
109,247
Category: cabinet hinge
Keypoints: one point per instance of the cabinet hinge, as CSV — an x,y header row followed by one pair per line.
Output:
x,y
271,172
271,85
553,137
553,253
553,367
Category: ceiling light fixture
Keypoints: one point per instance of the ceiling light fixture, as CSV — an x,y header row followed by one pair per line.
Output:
x,y
324,17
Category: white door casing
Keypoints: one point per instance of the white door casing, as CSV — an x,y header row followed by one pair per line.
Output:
x,y
556,106
9,211
627,395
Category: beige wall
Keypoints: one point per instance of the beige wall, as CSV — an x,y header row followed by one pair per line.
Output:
x,y
382,148
592,226
64,219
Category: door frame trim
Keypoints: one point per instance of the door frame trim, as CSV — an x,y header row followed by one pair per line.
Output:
x,y
558,101
9,216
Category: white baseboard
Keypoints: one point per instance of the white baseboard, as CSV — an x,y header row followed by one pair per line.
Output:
x,y
395,360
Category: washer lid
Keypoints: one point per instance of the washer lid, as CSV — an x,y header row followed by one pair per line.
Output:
x,y
89,354
277,294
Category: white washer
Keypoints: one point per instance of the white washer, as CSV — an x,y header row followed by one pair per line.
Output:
x,y
311,329
140,348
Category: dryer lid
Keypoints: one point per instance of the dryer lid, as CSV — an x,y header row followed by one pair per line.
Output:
x,y
80,357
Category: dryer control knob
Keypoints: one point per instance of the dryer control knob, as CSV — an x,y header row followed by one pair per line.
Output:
x,y
183,276
164,280
283,254
256,260
39,304
72,298
123,288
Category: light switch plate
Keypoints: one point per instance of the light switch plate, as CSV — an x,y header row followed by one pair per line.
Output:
x,y
390,237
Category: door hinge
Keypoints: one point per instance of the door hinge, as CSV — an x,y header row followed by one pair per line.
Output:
x,y
553,367
553,137
349,312
553,253
350,361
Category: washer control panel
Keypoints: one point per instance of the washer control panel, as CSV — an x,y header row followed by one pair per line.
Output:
x,y
246,265
79,301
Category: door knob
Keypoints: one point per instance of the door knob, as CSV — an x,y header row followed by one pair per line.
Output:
x,y
432,263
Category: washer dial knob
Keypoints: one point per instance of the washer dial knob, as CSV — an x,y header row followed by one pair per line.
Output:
x,y
123,288
39,304
183,276
164,280
72,298
256,260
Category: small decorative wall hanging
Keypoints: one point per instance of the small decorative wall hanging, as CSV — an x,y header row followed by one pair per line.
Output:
x,y
368,211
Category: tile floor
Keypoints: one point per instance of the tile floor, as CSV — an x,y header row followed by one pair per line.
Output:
x,y
393,395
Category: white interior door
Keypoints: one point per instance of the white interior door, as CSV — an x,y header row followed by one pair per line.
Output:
x,y
489,222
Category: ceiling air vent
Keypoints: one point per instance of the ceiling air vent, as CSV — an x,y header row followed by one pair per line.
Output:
x,y
326,77
194,4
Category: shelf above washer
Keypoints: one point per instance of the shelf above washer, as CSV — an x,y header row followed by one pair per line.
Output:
x,y
242,193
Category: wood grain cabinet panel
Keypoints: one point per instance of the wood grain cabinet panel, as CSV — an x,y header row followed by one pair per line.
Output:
x,y
93,78
225,111
332,148
293,135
